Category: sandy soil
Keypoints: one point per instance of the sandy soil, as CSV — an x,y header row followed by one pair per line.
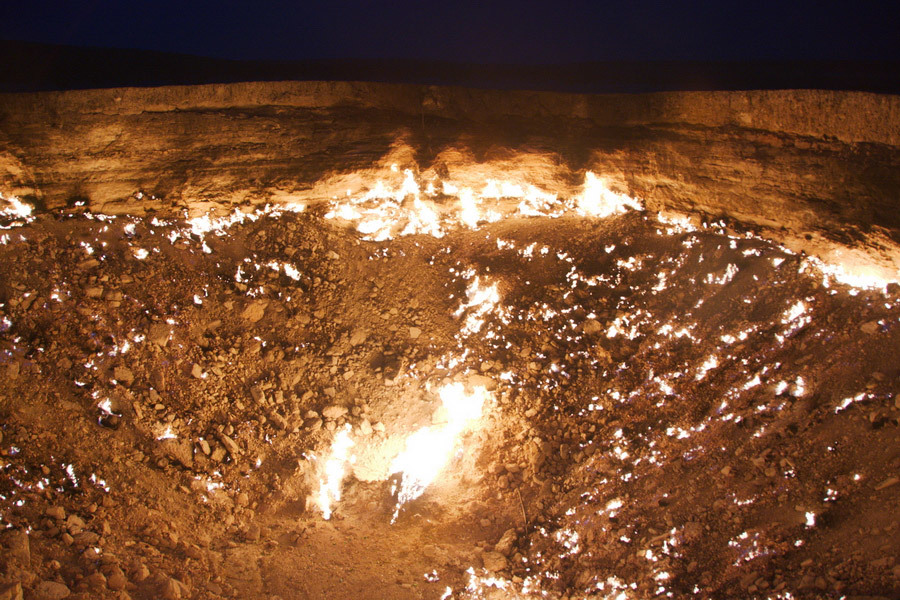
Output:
x,y
672,412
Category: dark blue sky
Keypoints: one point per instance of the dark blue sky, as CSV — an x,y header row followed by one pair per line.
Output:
x,y
461,30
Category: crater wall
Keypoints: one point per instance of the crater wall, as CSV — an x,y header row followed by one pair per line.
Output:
x,y
819,169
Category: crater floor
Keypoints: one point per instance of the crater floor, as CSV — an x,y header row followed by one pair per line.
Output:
x,y
668,411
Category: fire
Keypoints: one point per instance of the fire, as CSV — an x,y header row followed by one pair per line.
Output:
x,y
330,486
599,201
482,299
429,449
387,210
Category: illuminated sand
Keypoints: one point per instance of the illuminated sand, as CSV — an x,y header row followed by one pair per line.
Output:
x,y
416,391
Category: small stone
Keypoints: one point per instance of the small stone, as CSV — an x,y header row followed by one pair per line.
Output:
x,y
494,561
414,332
159,334
51,590
279,421
506,543
359,337
253,533
57,512
255,311
259,396
123,375
171,589
476,380
179,451
115,579
95,581
592,326
365,427
230,445
93,292
887,483
869,328
204,447
197,371
218,453
139,571
334,411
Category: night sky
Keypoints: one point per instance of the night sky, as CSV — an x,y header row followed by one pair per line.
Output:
x,y
484,32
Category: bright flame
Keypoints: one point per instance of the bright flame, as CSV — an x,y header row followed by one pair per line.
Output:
x,y
480,298
599,201
429,449
16,208
330,488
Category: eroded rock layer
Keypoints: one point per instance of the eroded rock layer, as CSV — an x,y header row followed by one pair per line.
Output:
x,y
813,167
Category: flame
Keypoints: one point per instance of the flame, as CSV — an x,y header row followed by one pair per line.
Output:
x,y
482,299
384,212
330,486
599,201
429,449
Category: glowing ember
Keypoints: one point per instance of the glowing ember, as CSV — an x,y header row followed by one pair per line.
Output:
x,y
429,449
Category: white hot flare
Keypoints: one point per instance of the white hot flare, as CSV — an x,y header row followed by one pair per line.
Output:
x,y
330,487
429,449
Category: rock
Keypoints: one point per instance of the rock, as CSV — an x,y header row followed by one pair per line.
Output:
x,y
887,483
869,328
115,579
414,332
172,589
230,445
178,450
591,327
11,591
218,453
255,311
334,412
204,447
93,292
197,371
57,512
51,590
279,421
506,543
17,546
359,337
95,581
139,571
258,395
365,427
75,524
123,375
158,333
253,533
476,380
494,561
86,538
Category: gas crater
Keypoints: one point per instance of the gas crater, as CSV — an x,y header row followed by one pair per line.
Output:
x,y
347,340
